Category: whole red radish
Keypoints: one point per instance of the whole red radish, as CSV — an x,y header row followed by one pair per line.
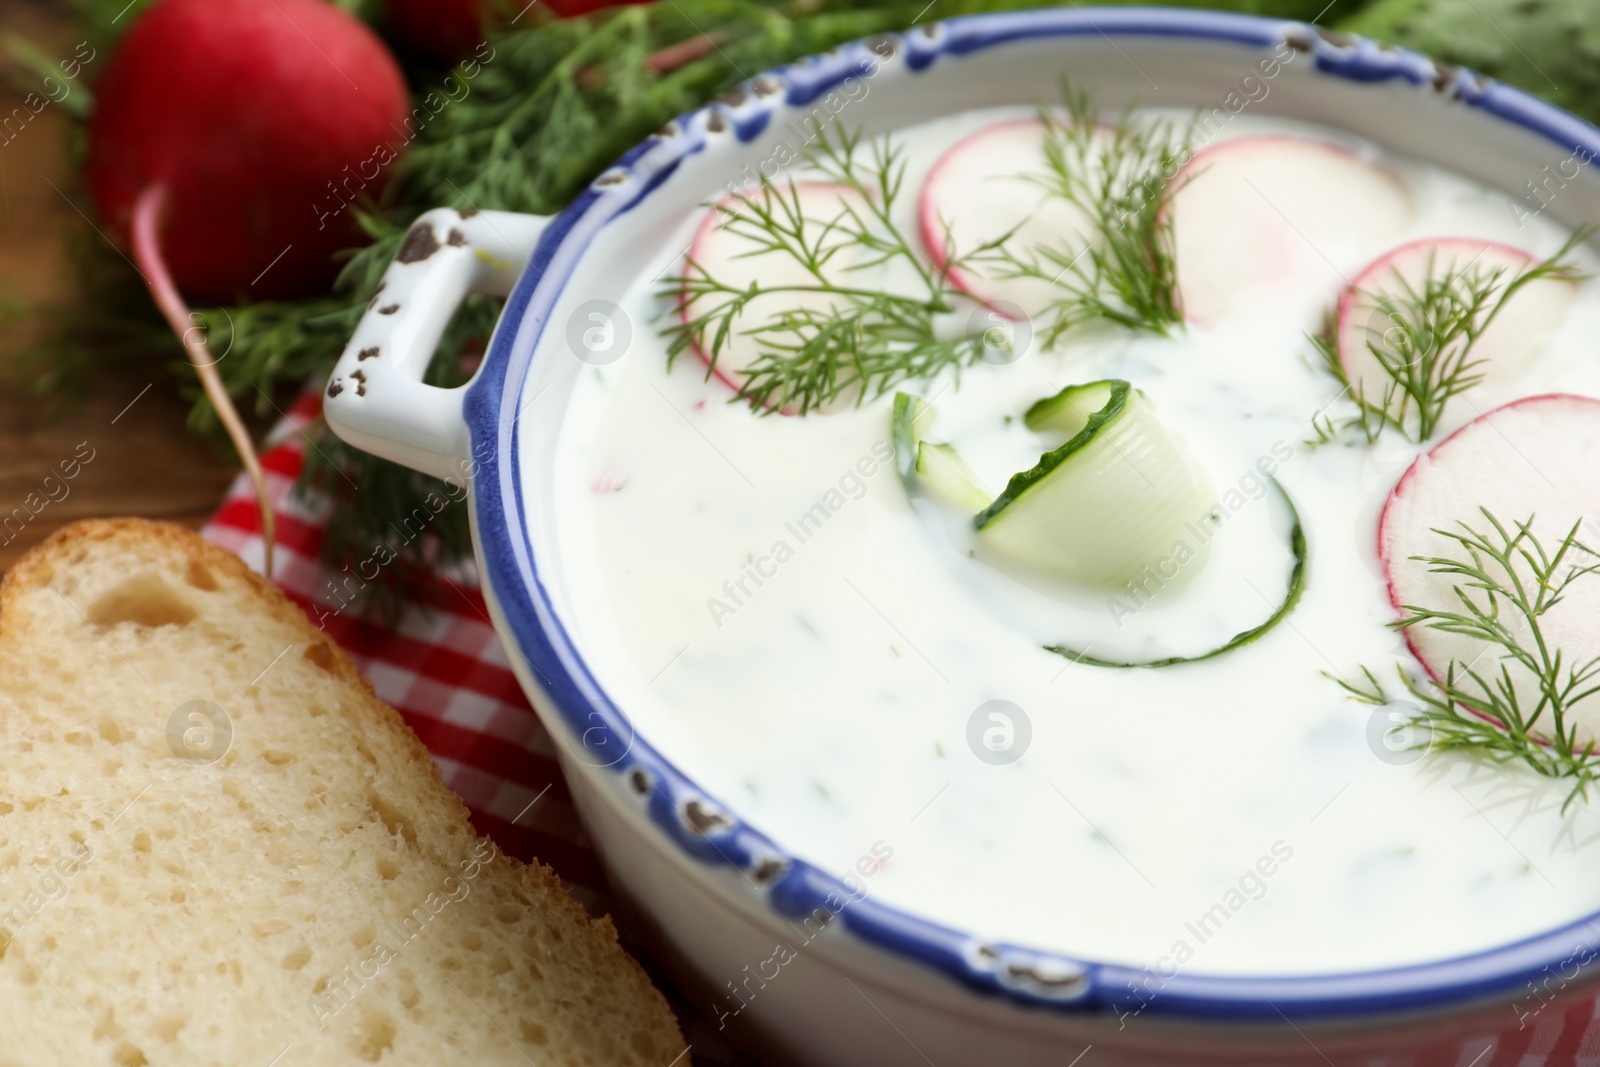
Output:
x,y
245,111
227,139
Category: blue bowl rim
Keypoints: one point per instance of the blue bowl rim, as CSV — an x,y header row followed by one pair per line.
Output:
x,y
794,888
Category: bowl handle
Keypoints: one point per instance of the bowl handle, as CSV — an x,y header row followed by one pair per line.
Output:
x,y
376,399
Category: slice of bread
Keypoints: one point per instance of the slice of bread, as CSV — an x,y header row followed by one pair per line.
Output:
x,y
278,876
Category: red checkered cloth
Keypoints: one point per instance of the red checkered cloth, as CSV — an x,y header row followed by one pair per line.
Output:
x,y
446,673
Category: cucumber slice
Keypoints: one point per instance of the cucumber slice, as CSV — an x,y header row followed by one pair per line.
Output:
x,y
1070,410
945,475
935,469
1296,586
1111,502
903,435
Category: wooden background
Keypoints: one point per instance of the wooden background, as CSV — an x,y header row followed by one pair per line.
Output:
x,y
146,462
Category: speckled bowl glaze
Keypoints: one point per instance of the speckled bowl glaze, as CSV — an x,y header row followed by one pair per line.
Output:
x,y
877,985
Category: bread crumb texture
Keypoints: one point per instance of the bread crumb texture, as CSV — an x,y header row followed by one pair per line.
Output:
x,y
218,847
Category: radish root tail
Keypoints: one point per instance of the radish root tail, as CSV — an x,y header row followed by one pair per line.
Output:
x,y
147,210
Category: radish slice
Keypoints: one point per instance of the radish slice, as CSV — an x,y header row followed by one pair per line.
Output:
x,y
1275,210
1505,347
985,186
1536,457
720,251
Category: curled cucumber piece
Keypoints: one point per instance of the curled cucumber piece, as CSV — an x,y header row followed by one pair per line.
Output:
x,y
945,475
1121,508
1106,504
1291,597
903,435
928,467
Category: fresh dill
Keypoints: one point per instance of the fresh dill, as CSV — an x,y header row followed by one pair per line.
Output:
x,y
558,103
1425,347
1325,431
1366,420
861,341
1369,691
1114,174
1507,581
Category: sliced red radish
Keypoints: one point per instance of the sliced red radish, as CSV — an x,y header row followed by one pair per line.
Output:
x,y
1505,347
1538,457
1275,210
721,251
985,186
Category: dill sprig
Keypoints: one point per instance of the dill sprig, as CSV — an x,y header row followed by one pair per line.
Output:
x,y
1366,420
1507,581
1425,351
1115,175
1369,691
863,341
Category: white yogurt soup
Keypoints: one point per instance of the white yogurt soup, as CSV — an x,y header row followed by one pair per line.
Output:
x,y
816,640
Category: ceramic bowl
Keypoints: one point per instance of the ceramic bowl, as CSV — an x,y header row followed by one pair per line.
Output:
x,y
869,984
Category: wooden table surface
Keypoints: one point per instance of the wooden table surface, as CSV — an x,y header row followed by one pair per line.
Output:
x,y
145,461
